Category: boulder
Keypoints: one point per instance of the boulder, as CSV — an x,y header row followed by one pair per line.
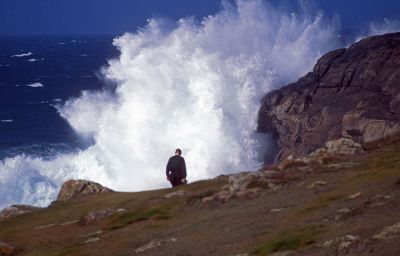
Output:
x,y
15,210
72,189
8,250
351,93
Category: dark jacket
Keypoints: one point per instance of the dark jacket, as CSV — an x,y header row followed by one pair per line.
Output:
x,y
176,167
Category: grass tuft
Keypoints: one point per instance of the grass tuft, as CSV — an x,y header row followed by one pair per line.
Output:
x,y
126,219
72,249
321,202
291,240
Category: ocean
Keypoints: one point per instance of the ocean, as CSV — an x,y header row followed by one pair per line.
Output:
x,y
37,73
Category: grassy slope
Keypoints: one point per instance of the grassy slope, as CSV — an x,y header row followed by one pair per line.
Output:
x,y
308,219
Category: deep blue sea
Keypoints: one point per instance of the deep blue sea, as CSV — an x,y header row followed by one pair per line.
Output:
x,y
36,74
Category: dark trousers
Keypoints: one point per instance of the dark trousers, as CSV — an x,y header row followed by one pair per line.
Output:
x,y
175,181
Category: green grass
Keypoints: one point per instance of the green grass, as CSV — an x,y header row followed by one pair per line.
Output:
x,y
290,240
67,251
377,171
321,202
120,221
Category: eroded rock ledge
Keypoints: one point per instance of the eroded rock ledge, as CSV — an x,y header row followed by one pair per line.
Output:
x,y
73,189
352,93
15,210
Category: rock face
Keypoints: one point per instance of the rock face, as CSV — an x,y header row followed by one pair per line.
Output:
x,y
72,189
351,93
15,210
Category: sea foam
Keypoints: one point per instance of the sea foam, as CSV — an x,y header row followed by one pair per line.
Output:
x,y
192,85
35,85
22,55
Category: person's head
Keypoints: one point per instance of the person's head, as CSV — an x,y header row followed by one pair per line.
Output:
x,y
178,152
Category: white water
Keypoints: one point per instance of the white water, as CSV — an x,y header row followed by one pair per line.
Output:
x,y
190,85
380,28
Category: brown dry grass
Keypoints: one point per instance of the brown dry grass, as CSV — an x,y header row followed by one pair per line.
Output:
x,y
239,226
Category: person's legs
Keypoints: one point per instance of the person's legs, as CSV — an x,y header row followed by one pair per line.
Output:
x,y
175,181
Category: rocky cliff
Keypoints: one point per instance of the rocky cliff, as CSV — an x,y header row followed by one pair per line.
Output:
x,y
352,92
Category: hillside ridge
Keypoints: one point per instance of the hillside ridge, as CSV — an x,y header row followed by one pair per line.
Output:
x,y
339,200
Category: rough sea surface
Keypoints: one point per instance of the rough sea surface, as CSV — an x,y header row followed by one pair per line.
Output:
x,y
38,73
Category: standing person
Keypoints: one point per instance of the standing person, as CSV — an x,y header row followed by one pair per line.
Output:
x,y
176,169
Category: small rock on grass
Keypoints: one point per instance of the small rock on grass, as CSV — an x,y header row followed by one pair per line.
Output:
x,y
155,243
91,240
69,222
96,233
177,193
389,232
318,183
344,210
277,210
354,196
45,226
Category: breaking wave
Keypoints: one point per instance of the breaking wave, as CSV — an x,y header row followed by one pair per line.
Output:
x,y
380,28
193,85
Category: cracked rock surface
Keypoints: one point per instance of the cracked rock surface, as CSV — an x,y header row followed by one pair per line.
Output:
x,y
352,93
